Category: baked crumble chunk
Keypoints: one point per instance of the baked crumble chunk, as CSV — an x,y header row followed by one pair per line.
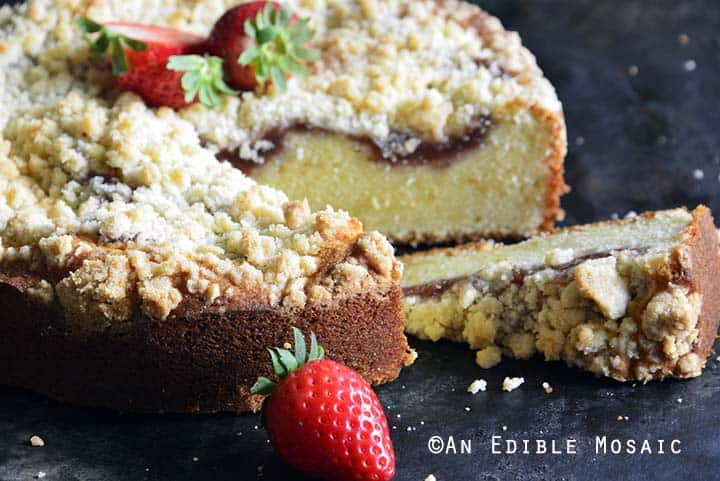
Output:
x,y
636,299
426,103
117,220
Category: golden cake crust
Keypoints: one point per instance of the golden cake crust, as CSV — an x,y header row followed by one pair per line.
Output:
x,y
198,359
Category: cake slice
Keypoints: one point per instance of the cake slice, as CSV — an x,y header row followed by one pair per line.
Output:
x,y
636,299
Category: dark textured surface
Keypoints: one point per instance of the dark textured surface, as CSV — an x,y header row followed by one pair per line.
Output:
x,y
634,144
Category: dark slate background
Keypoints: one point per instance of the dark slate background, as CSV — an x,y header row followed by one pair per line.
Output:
x,y
641,120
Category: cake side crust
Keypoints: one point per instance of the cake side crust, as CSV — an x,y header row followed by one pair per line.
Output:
x,y
196,360
701,264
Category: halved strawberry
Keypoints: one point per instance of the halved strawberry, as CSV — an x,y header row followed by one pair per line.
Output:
x,y
323,418
260,42
159,64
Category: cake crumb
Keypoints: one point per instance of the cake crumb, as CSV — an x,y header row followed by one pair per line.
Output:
x,y
413,356
37,442
547,388
619,418
287,345
40,474
690,65
467,408
430,477
683,39
195,459
679,400
698,174
512,383
477,385
633,70
504,428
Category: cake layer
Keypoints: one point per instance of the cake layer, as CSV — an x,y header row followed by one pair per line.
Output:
x,y
507,184
636,299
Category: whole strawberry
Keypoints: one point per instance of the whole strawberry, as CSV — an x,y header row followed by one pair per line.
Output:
x,y
323,418
161,65
261,42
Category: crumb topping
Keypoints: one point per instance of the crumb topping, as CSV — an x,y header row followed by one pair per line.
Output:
x,y
124,209
512,383
389,69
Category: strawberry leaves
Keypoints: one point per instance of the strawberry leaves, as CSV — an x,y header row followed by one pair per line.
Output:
x,y
203,78
279,46
108,38
284,362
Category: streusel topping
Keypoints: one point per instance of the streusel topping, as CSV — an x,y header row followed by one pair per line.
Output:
x,y
420,69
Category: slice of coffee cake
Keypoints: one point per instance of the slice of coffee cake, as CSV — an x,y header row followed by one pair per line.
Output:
x,y
637,299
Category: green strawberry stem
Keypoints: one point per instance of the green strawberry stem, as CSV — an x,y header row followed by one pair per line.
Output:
x,y
108,38
203,78
284,362
279,46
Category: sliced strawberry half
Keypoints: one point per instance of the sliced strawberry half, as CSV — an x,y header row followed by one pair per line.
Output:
x,y
161,65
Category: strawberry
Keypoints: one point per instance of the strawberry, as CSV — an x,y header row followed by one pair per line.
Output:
x,y
323,418
261,42
159,64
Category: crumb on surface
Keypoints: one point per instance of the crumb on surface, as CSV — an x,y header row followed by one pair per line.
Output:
x,y
698,174
512,383
40,474
504,428
690,65
36,441
683,39
547,388
430,477
633,70
477,385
